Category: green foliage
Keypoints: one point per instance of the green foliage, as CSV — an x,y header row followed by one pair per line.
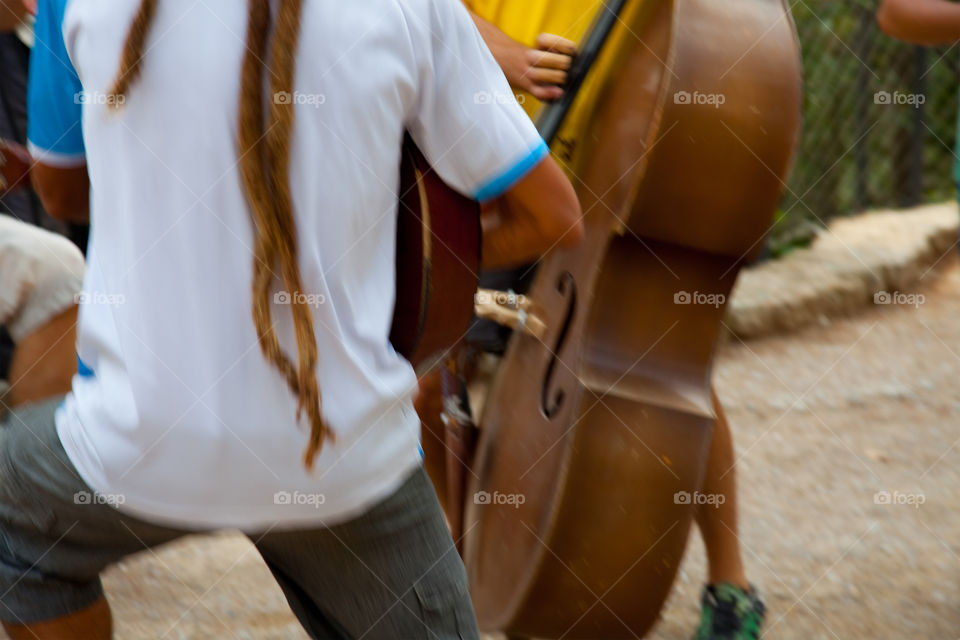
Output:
x,y
858,152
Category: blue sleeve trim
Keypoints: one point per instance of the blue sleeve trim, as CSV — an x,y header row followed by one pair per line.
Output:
x,y
84,370
502,183
56,160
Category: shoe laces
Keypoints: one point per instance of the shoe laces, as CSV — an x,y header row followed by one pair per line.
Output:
x,y
730,609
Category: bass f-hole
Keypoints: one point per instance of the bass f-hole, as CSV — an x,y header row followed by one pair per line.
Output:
x,y
552,394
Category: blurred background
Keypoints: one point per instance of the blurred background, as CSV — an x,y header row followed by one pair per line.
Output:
x,y
858,152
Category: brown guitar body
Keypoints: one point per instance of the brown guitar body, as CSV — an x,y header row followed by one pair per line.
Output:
x,y
438,262
605,424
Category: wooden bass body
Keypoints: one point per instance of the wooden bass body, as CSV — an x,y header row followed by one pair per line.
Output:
x,y
593,434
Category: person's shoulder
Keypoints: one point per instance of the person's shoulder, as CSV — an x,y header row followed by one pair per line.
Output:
x,y
412,5
427,10
437,20
50,20
55,8
406,13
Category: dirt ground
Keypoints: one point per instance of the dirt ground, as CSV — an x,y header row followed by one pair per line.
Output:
x,y
823,421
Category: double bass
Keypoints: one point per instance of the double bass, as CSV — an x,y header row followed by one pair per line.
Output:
x,y
603,418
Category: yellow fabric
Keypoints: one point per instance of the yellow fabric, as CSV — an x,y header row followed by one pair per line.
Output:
x,y
524,20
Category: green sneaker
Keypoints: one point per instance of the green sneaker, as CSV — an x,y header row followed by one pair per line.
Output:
x,y
730,613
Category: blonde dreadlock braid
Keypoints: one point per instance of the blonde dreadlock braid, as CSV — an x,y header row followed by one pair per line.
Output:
x,y
133,51
264,146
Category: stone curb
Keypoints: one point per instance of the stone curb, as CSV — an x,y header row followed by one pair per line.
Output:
x,y
844,269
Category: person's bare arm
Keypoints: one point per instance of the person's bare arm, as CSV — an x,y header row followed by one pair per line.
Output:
x,y
540,212
541,71
15,163
65,193
926,22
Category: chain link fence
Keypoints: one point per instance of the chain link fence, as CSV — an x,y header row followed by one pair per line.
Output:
x,y
880,120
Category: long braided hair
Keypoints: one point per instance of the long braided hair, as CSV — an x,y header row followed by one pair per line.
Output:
x,y
264,148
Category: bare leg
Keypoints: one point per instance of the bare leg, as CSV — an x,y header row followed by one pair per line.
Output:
x,y
718,524
92,623
44,361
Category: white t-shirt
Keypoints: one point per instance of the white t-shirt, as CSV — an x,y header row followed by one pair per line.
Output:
x,y
175,414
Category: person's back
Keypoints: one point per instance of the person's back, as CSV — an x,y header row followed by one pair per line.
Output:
x,y
174,232
244,161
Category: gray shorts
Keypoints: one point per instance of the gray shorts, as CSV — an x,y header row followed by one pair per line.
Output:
x,y
391,573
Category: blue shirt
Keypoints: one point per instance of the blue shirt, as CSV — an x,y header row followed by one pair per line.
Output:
x,y
54,93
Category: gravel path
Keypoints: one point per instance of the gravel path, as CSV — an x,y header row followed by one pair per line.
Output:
x,y
823,421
